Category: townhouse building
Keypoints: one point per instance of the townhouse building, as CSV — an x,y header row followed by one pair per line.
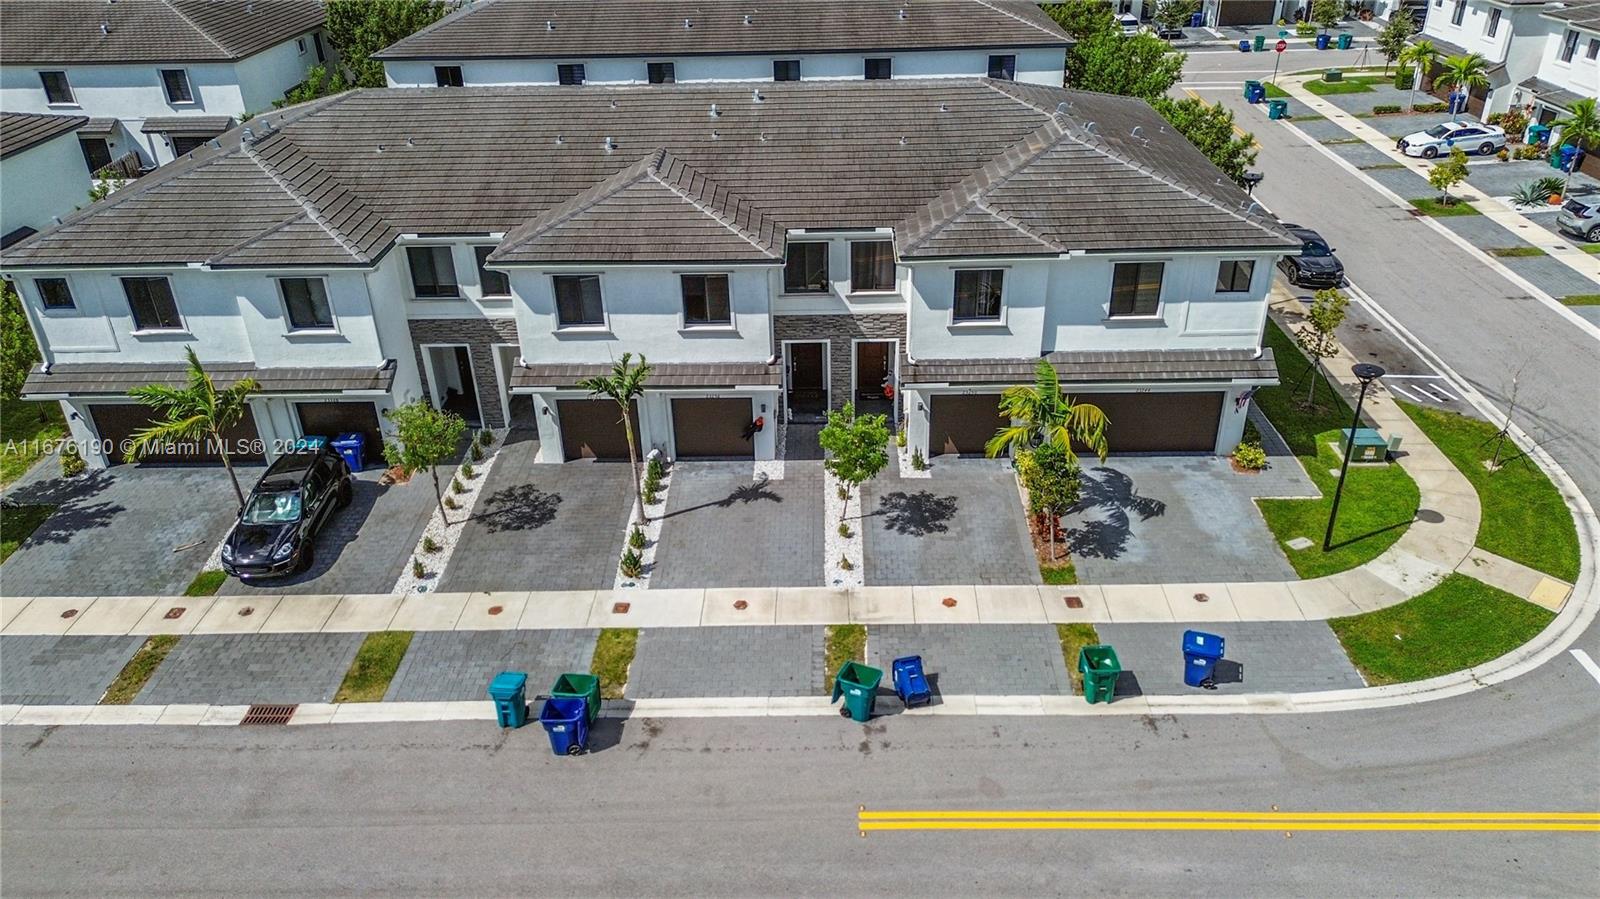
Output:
x,y
1510,35
776,250
576,42
41,177
1569,66
155,78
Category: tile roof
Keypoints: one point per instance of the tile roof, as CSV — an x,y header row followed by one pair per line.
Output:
x,y
1097,366
1023,169
1583,14
207,125
64,32
533,29
1554,94
25,130
668,374
117,378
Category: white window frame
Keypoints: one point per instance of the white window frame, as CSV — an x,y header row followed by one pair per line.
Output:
x,y
849,261
47,309
1220,263
1566,50
183,320
484,295
1492,29
684,325
161,76
330,330
799,70
783,285
558,328
1157,317
976,323
72,92
411,282
457,69
300,45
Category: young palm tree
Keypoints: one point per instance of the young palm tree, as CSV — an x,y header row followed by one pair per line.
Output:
x,y
1581,129
1465,73
1421,57
1047,416
194,413
624,385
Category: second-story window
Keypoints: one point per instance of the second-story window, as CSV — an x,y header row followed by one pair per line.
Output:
x,y
705,300
433,273
578,302
1494,21
805,268
786,70
447,76
570,74
978,295
494,284
1234,275
176,83
660,72
1459,11
305,300
1594,48
54,293
152,304
1003,68
57,89
1569,46
878,69
871,265
1136,288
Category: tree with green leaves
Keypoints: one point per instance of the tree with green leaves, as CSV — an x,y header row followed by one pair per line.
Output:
x,y
195,413
1210,128
359,28
321,81
1176,12
1421,56
424,438
1581,128
1136,65
1465,72
1317,337
857,447
1391,40
18,351
1082,18
1043,414
1327,13
624,386
1051,476
1449,172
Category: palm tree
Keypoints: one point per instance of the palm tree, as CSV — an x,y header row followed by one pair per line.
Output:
x,y
198,412
1047,416
1422,57
624,385
1581,129
1466,73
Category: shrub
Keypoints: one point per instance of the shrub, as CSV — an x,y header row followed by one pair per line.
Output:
x,y
1503,155
72,463
632,564
651,483
650,497
845,564
1250,456
417,571
451,504
1514,121
900,439
429,545
486,438
1528,152
467,471
655,469
1430,107
476,453
1304,29
636,538
1402,78
844,530
1386,109
917,462
456,486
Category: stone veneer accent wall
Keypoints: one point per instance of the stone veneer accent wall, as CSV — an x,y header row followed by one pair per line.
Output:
x,y
480,335
839,331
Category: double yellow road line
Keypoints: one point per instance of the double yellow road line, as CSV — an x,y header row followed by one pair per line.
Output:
x,y
1582,822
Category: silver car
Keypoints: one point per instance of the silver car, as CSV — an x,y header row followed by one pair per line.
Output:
x,y
1580,216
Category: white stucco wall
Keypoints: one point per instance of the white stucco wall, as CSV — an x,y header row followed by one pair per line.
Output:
x,y
264,77
1581,75
41,182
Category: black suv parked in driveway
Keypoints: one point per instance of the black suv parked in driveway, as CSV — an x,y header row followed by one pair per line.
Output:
x,y
1316,266
277,530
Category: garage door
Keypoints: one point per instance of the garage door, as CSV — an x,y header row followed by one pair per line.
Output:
x,y
592,429
117,422
1247,12
963,423
332,419
712,428
1159,422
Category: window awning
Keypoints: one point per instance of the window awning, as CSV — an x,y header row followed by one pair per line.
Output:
x,y
188,125
100,126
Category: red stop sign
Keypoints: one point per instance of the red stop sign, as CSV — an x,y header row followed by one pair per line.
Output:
x,y
1281,46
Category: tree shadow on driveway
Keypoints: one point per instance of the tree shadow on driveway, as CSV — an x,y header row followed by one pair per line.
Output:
x,y
1113,495
916,514
523,507
743,495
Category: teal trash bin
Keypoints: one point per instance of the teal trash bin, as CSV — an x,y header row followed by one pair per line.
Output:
x,y
1345,41
1277,109
1251,89
1260,43
1100,668
580,686
858,685
509,692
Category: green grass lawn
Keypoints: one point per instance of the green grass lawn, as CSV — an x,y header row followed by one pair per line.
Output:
x,y
1582,299
1460,623
206,583
1435,207
613,653
1379,501
1589,247
1504,252
25,430
1061,574
374,666
1274,92
1361,84
845,643
16,523
1073,638
1524,517
139,670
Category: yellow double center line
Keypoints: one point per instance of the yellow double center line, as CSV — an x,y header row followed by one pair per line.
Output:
x,y
1584,822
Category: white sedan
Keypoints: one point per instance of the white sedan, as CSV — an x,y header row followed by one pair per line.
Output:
x,y
1471,137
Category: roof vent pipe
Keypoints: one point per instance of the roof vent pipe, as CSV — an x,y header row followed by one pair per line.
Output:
x,y
549,24
687,24
749,20
380,148
715,111
715,134
249,135
560,140
105,27
410,142
610,144
903,14
902,140
944,107
756,96
763,135
613,104
214,144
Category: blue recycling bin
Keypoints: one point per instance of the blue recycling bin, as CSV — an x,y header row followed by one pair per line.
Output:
x,y
1537,133
509,692
1200,654
1322,42
566,721
1569,157
909,682
309,442
1244,46
1197,19
353,447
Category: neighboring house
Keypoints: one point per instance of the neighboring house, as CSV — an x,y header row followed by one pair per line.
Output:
x,y
41,177
774,251
574,42
1569,66
1509,34
155,77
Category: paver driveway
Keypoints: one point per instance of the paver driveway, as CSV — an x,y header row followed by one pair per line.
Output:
x,y
723,529
118,532
964,525
542,526
987,659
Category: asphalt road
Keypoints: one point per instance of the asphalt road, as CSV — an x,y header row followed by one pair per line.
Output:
x,y
1219,66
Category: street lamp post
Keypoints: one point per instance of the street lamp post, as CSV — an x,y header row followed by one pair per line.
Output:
x,y
1366,373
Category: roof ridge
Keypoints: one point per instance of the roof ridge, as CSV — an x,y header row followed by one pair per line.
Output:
x,y
579,202
460,12
969,191
198,30
1007,219
311,210
1034,25
726,221
271,229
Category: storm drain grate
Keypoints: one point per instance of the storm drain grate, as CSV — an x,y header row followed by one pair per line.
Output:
x,y
269,714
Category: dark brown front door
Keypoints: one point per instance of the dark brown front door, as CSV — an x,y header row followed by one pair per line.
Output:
x,y
592,429
1159,422
873,364
332,419
712,428
961,424
116,424
808,390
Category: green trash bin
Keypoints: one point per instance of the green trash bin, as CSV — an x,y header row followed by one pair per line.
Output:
x,y
580,686
1277,109
858,684
1261,43
1100,669
1345,41
1333,75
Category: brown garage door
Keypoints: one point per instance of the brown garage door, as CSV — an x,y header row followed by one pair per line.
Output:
x,y
117,422
963,423
1159,422
1246,12
592,429
332,419
712,428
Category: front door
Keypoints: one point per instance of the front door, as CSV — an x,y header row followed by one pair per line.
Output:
x,y
96,153
808,390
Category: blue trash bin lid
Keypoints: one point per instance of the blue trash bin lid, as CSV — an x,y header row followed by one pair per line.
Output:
x,y
1202,644
562,709
351,439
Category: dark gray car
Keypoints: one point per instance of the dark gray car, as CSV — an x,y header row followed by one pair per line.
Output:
x,y
1316,266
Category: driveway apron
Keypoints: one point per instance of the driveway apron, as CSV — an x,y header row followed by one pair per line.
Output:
x,y
964,525
724,529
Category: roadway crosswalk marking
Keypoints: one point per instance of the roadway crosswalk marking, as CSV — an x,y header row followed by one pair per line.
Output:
x,y
1587,663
